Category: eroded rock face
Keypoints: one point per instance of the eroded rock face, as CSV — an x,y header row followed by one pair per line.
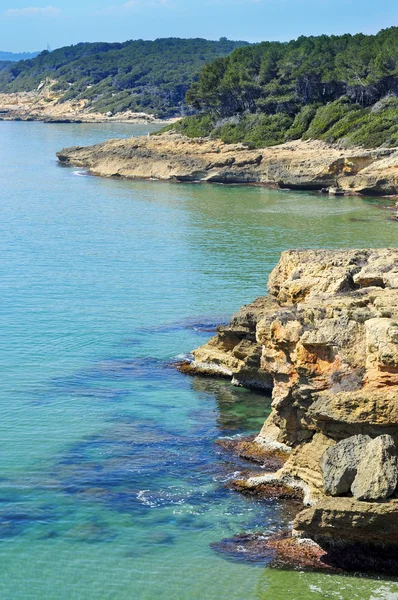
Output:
x,y
339,464
304,465
325,340
297,165
330,348
377,474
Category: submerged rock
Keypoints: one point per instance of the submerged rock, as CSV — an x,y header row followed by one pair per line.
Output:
x,y
284,551
246,547
377,474
340,462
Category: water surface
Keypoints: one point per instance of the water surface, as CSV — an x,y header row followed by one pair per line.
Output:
x,y
111,486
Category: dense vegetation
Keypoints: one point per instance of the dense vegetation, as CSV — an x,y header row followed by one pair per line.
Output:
x,y
136,75
329,87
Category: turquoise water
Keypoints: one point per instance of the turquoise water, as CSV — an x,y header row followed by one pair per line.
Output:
x,y
111,485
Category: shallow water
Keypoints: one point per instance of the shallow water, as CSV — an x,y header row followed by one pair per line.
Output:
x,y
111,486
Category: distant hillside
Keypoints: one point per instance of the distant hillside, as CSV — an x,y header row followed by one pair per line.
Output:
x,y
14,57
149,76
333,88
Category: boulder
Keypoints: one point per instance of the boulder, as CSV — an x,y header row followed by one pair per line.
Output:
x,y
377,473
339,464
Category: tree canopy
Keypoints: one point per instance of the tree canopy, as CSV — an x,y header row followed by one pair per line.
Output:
x,y
326,87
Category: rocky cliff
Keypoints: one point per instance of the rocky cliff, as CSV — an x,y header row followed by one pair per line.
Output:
x,y
311,165
325,341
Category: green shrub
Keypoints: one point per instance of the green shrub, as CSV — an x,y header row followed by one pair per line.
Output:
x,y
196,126
378,128
326,116
302,122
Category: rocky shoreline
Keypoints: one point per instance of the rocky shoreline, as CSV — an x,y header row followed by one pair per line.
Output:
x,y
298,165
43,106
325,341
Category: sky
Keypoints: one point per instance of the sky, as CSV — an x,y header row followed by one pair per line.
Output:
x,y
28,25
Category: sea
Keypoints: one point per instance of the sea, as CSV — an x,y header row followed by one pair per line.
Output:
x,y
112,485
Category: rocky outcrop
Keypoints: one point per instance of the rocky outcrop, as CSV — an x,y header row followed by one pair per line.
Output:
x,y
311,165
325,340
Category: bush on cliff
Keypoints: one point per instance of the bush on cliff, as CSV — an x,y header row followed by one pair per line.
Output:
x,y
194,126
256,130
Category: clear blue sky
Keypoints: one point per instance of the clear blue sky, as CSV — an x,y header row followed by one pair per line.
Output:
x,y
29,24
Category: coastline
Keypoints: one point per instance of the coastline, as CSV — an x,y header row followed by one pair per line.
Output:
x,y
40,106
298,165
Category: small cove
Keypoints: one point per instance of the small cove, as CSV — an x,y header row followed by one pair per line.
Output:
x,y
111,485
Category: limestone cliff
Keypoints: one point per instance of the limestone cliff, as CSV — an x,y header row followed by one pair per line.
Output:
x,y
325,341
312,165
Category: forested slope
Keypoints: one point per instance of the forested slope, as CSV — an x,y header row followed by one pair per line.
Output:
x,y
149,76
334,88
